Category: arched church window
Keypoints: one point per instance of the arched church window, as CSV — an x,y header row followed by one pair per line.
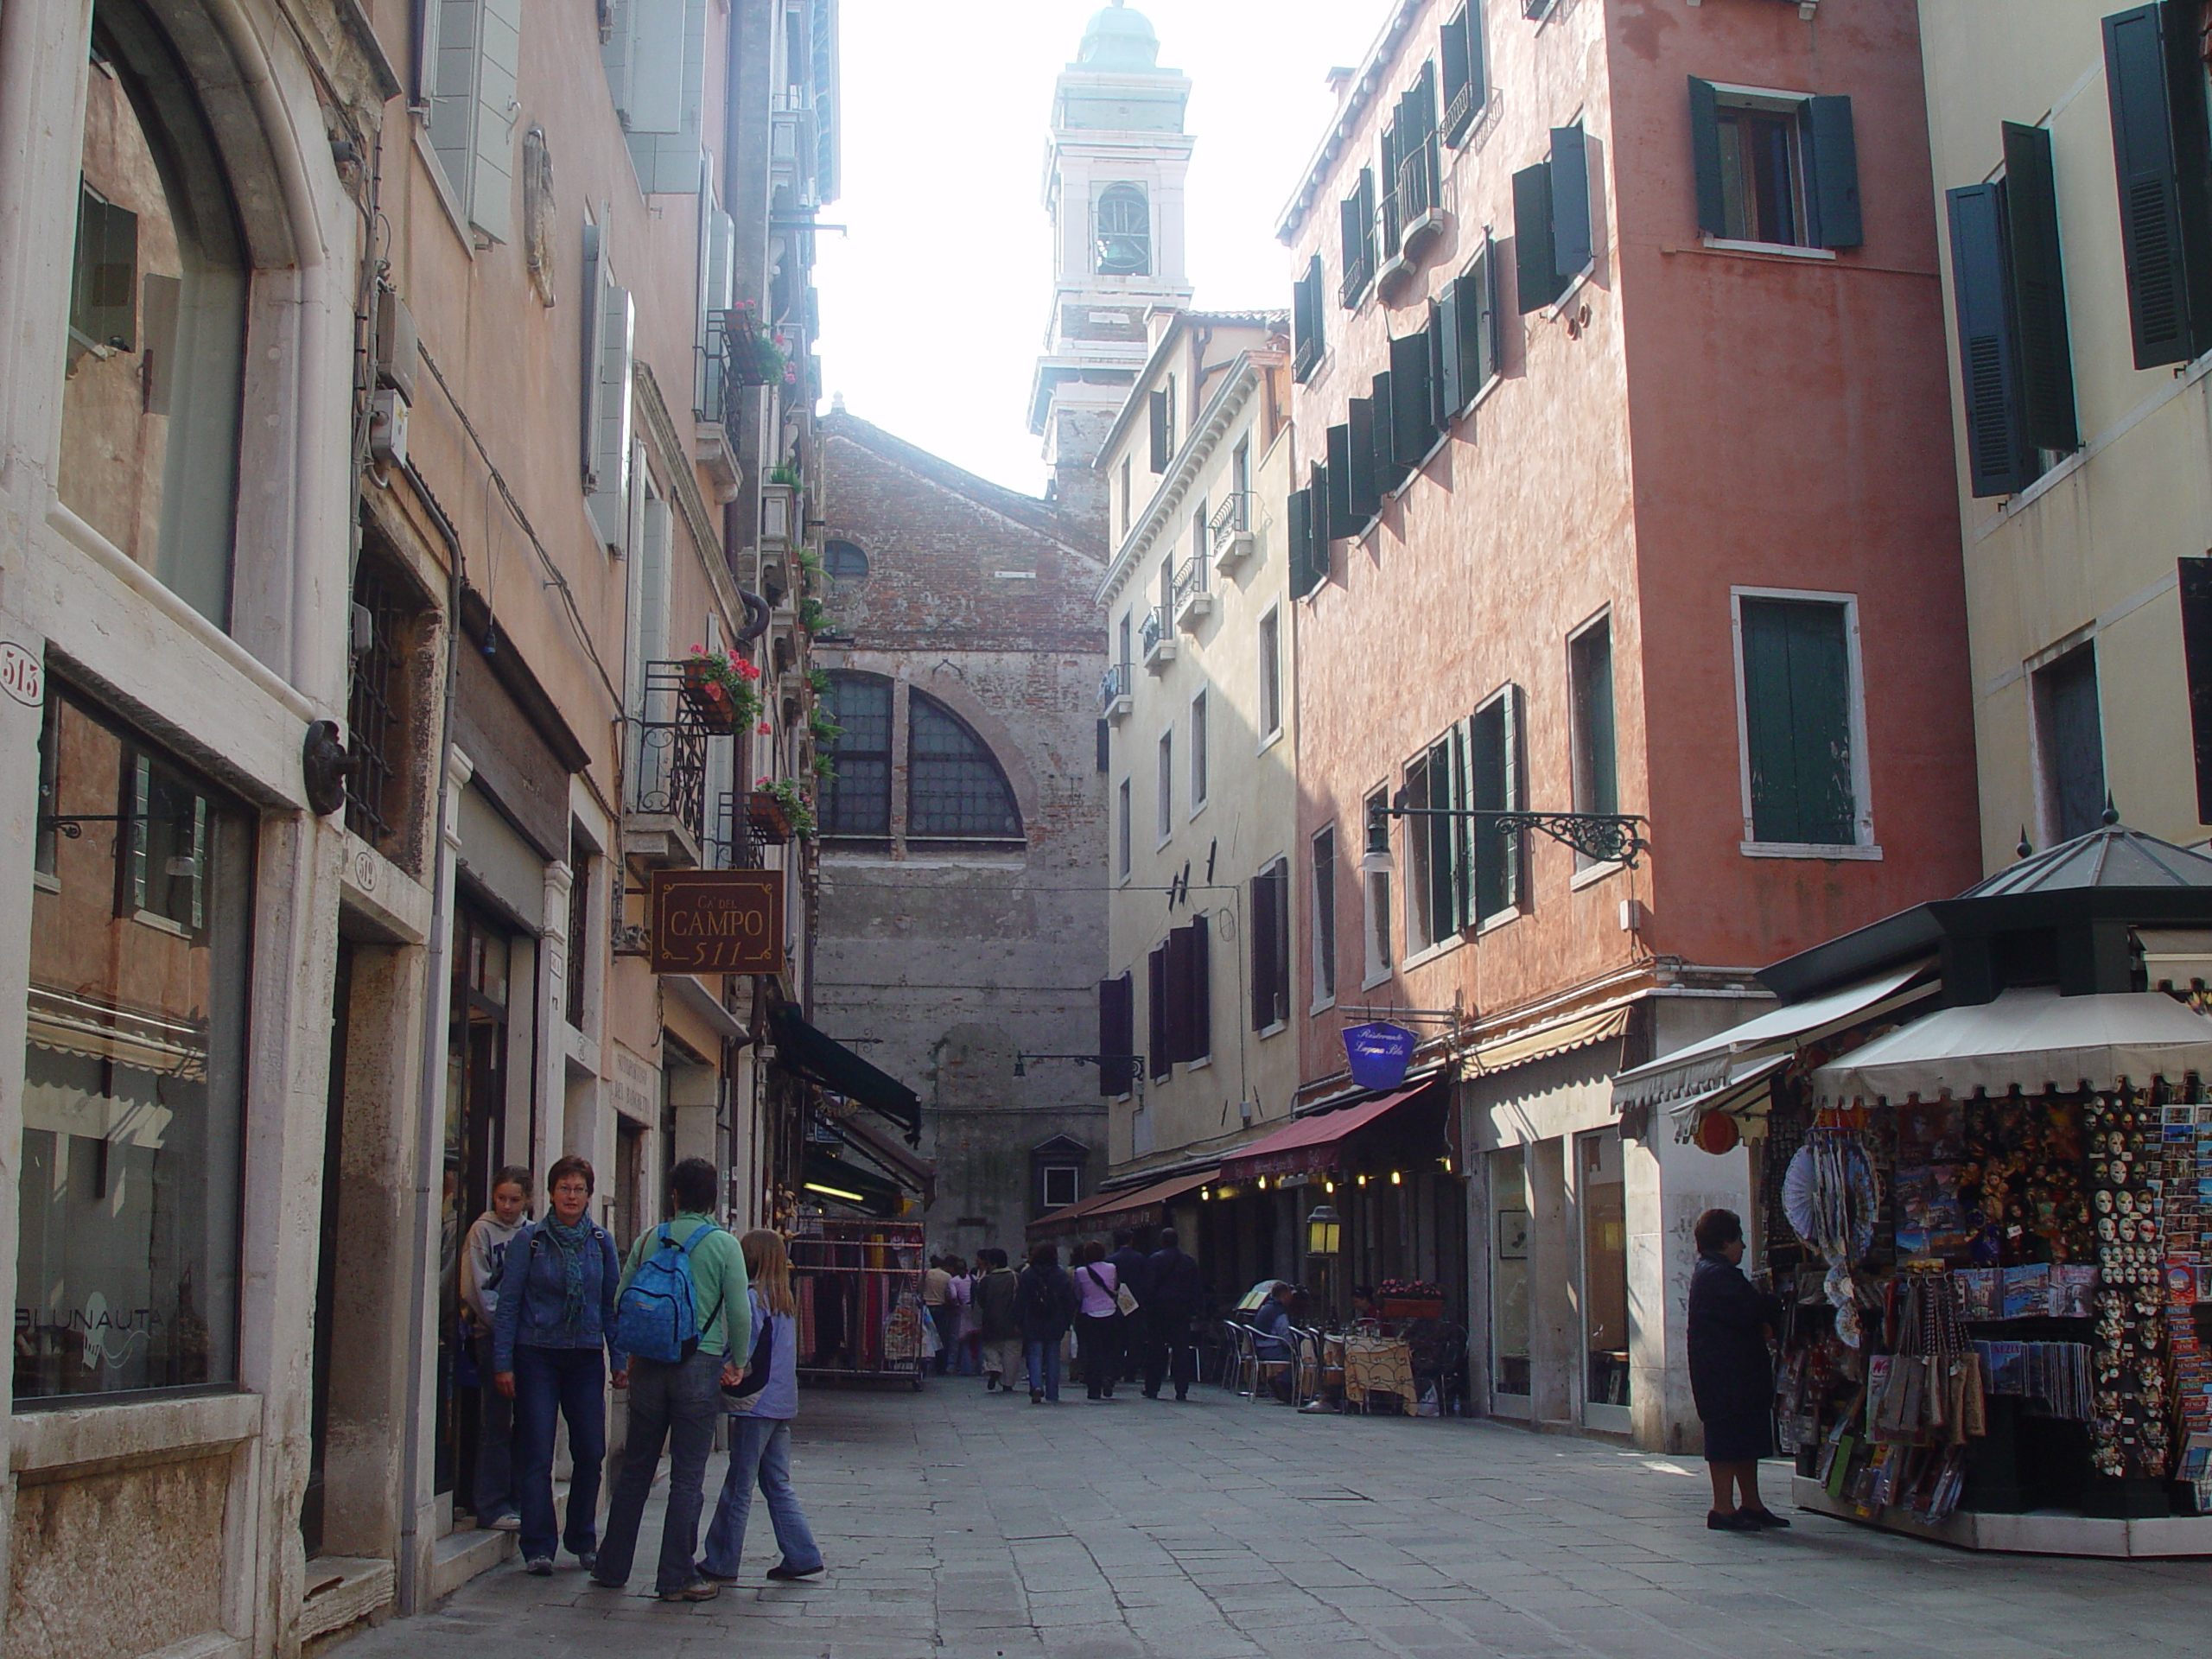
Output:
x,y
1124,232
857,800
955,785
844,560
154,362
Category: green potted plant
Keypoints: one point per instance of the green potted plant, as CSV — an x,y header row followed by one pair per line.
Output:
x,y
824,726
812,616
721,692
825,767
777,808
819,679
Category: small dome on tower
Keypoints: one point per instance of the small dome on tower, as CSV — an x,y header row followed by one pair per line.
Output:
x,y
1120,39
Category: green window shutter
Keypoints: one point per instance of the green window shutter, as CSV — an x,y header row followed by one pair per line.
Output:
x,y
1343,521
1477,297
1306,322
1356,226
608,477
1362,494
1987,349
2038,289
1462,791
655,77
1263,951
1413,421
593,314
1460,55
1514,844
1536,265
1389,474
1798,717
491,183
2146,159
1704,155
1489,761
1443,357
1571,237
1832,164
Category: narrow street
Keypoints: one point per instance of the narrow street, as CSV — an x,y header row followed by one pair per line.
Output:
x,y
958,1524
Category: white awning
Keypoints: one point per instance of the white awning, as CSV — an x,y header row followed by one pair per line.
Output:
x,y
2175,957
1745,1094
1711,1064
2030,1038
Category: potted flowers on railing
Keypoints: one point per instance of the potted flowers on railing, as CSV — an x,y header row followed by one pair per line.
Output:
x,y
778,809
812,617
720,690
1410,1298
756,359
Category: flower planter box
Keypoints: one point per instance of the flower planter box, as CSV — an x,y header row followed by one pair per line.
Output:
x,y
766,814
1412,1307
709,701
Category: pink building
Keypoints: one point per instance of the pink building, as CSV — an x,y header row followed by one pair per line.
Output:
x,y
1622,423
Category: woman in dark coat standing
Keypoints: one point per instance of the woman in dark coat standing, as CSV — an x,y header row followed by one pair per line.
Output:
x,y
1731,1375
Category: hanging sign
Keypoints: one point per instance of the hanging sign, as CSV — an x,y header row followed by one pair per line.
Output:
x,y
717,921
1379,1054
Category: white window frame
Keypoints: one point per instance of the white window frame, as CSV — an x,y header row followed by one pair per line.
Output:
x,y
1270,625
1198,758
1045,1174
1127,828
1322,968
1164,808
1864,847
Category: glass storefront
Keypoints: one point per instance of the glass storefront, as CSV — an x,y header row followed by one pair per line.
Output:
x,y
134,1091
1602,1196
1508,1285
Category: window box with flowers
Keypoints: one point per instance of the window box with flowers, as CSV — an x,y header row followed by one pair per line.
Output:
x,y
723,692
777,808
756,358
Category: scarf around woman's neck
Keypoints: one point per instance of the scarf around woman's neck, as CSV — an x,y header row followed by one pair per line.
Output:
x,y
570,1243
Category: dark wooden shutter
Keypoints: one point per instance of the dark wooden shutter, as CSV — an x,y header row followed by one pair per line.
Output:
x,y
2147,158
1798,717
1342,521
1831,189
1105,746
1489,784
1159,1032
1306,312
1199,1015
2038,289
1263,951
1476,297
1704,155
1389,474
1570,240
1179,995
1444,397
1461,56
1161,412
1413,421
1302,579
1535,268
104,289
1116,1034
1364,495
2196,660
1461,787
1987,351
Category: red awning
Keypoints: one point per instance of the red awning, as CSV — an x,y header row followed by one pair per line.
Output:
x,y
1309,1145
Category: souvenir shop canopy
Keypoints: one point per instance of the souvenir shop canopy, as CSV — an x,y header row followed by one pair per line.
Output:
x,y
805,1052
1103,1213
1310,1145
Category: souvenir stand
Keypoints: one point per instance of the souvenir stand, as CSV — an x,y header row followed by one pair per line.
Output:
x,y
1991,1230
859,1285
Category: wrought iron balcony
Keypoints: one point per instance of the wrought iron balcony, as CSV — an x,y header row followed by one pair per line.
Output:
x,y
1156,639
1193,591
1417,196
1114,691
1359,272
1230,532
669,789
734,846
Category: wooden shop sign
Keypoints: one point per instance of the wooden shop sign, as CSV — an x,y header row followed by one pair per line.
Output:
x,y
717,921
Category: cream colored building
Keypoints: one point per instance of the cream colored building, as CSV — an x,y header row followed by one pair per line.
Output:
x,y
2071,168
1201,784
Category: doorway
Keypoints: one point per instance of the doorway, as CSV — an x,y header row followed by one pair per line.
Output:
x,y
325,1275
1601,1193
1511,1387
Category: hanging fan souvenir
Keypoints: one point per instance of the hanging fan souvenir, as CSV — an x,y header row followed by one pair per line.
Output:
x,y
1830,1195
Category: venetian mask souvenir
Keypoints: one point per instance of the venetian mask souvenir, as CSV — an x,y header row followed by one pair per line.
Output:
x,y
2104,1203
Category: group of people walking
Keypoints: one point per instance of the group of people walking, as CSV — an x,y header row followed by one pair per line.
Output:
x,y
695,1323
1132,1316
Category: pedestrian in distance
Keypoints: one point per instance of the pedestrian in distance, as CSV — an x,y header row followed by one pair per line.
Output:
x,y
686,1323
960,1296
1045,1306
1132,1268
1098,1327
762,1405
553,1346
482,1255
1177,1298
1731,1373
936,1307
996,1325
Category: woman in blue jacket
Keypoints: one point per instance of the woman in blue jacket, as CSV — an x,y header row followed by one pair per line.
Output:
x,y
554,1318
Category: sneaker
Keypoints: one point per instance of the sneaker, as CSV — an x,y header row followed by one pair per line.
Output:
x,y
697,1590
539,1566
781,1573
508,1522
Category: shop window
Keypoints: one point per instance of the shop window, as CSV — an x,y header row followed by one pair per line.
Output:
x,y
1325,916
156,355
857,801
955,789
1778,168
127,1266
1799,691
2069,733
1124,232
1271,946
1589,685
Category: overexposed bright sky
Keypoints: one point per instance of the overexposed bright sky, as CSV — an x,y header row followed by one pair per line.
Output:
x,y
934,305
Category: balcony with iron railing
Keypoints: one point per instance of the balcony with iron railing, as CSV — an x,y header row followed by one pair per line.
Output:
x,y
666,827
1156,639
1114,691
1359,272
1418,199
1193,591
1230,532
734,845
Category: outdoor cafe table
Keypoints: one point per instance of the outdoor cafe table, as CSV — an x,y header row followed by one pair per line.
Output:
x,y
1373,1365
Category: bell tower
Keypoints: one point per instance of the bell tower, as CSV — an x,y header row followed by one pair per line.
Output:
x,y
1114,180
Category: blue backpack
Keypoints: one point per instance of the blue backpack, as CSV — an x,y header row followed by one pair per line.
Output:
x,y
658,1318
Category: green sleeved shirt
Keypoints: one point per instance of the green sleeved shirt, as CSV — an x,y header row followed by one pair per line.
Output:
x,y
718,1282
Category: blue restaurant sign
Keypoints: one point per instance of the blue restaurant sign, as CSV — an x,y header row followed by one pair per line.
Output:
x,y
1379,1054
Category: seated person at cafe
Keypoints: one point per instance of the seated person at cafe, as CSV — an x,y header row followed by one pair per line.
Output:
x,y
1272,1341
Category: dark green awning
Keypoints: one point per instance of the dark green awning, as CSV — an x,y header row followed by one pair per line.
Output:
x,y
827,1176
805,1052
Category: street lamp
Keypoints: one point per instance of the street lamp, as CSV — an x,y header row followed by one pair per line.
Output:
x,y
1324,1231
1601,837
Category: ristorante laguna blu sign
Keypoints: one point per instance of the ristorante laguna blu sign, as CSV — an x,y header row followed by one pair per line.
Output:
x,y
1379,1054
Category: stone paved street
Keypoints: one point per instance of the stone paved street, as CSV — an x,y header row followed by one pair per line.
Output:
x,y
971,1526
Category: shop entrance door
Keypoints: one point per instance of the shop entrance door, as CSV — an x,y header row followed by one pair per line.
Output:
x,y
326,1277
476,1083
1512,1392
1601,1195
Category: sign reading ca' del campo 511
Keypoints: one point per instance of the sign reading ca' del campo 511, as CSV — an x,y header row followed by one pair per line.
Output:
x,y
717,921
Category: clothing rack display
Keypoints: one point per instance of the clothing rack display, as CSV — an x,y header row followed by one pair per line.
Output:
x,y
859,1285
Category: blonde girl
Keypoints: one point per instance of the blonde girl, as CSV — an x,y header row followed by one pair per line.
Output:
x,y
760,1426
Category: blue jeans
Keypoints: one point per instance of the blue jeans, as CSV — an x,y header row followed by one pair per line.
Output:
x,y
676,1404
570,1383
1044,1367
495,1442
759,1450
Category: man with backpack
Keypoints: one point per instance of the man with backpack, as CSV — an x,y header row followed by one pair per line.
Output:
x,y
683,1316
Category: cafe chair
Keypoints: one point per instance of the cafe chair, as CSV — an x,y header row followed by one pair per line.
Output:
x,y
1240,1370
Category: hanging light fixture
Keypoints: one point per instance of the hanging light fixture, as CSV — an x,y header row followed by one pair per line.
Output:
x,y
1376,860
1324,1231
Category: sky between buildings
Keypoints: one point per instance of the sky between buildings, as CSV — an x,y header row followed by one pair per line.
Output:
x,y
934,305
